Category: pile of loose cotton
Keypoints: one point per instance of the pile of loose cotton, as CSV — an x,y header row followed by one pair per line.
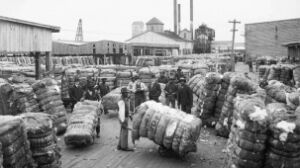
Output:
x,y
167,127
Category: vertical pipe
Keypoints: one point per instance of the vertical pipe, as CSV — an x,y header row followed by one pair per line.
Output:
x,y
179,18
192,18
175,17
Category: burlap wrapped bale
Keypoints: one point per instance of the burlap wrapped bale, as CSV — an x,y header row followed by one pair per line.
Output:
x,y
195,83
82,124
225,82
167,127
23,100
49,99
6,91
277,92
15,146
262,70
284,143
238,85
247,141
110,101
42,138
275,71
296,75
208,99
1,156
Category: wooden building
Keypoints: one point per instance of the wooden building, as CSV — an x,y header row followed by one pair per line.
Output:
x,y
20,37
104,51
267,38
293,51
157,42
204,36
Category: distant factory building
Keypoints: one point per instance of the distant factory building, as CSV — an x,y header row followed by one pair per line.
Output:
x,y
225,46
185,34
270,38
156,41
137,28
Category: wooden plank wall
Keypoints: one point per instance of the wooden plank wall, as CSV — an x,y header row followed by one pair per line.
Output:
x,y
266,39
22,38
102,47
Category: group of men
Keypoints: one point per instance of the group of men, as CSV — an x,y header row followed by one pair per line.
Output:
x,y
133,95
176,89
93,90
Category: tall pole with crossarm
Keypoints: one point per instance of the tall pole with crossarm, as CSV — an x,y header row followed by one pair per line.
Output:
x,y
234,22
79,33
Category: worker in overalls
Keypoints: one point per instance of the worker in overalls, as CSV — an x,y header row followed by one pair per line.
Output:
x,y
124,115
76,93
171,92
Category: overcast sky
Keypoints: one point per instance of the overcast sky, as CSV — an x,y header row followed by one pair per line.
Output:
x,y
112,19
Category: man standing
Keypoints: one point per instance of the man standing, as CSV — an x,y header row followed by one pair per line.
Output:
x,y
185,97
178,75
124,114
76,93
171,92
154,91
162,78
90,94
103,88
139,91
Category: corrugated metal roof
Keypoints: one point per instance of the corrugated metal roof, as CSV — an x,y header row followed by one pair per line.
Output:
x,y
291,43
157,45
155,21
24,22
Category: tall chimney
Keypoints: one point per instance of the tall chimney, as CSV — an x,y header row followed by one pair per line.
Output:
x,y
192,18
179,18
175,17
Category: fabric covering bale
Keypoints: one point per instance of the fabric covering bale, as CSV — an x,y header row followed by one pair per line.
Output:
x,y
246,145
284,142
167,127
42,138
82,124
110,100
15,146
49,99
296,75
23,100
1,156
6,91
238,85
208,98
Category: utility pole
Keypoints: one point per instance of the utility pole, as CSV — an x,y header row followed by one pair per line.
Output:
x,y
233,39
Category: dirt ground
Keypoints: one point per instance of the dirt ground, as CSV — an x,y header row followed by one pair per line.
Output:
x,y
103,153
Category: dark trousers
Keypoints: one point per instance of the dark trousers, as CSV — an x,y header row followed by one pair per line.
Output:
x,y
123,139
154,98
170,100
186,108
98,126
139,98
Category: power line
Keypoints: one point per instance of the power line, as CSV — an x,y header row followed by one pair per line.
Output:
x,y
234,22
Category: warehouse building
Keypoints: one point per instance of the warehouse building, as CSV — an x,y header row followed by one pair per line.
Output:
x,y
20,37
268,38
156,41
104,51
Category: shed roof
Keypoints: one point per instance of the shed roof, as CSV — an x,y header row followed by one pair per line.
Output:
x,y
28,23
291,43
155,21
168,34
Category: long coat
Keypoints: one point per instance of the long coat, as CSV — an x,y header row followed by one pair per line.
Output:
x,y
185,96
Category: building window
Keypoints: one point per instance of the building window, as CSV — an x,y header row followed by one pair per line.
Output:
x,y
152,28
184,35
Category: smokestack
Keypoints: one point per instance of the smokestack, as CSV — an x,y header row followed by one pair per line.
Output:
x,y
175,17
179,18
192,18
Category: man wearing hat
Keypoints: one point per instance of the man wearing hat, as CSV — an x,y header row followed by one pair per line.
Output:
x,y
154,91
139,90
171,92
162,78
103,88
76,93
185,96
124,114
179,75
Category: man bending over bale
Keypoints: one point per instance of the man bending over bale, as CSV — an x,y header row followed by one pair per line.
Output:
x,y
124,114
